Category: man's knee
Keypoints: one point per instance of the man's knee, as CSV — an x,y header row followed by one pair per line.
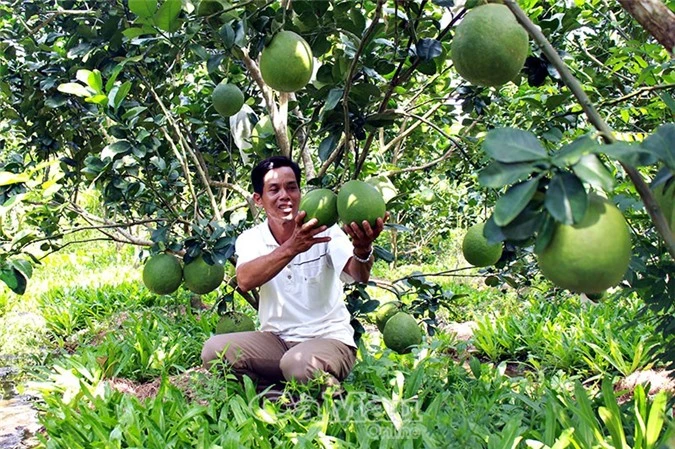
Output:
x,y
298,366
216,349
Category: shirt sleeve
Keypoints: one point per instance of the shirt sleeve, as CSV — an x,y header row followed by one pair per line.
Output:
x,y
341,250
245,247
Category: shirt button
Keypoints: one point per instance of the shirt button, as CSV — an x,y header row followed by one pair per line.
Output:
x,y
290,277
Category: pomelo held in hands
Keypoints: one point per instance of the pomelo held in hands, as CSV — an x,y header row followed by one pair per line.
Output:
x,y
287,63
490,46
320,204
592,255
162,274
358,201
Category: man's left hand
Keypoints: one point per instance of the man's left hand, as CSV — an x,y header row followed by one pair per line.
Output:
x,y
364,235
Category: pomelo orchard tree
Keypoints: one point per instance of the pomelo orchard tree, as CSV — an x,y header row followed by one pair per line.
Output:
x,y
115,97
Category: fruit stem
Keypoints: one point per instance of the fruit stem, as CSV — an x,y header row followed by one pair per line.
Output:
x,y
596,120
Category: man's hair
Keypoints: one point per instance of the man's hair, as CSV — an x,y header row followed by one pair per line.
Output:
x,y
260,170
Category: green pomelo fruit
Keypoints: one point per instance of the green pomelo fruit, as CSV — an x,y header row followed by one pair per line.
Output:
x,y
358,201
664,194
202,278
383,185
227,99
595,296
162,274
287,63
262,135
401,333
476,249
592,255
320,204
490,46
386,311
209,7
234,322
427,196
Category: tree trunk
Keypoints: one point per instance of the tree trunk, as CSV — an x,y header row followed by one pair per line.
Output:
x,y
656,18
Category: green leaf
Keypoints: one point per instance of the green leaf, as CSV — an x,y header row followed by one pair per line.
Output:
x,y
544,234
498,174
332,99
56,101
669,101
75,89
143,8
214,63
382,119
133,32
630,153
91,79
112,150
655,420
327,146
227,35
590,169
566,198
611,415
513,145
383,254
7,178
14,279
166,18
662,144
199,51
117,95
133,112
571,153
97,99
23,266
524,226
514,201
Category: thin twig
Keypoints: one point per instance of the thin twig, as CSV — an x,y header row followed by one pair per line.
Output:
x,y
638,91
355,62
398,78
64,12
186,147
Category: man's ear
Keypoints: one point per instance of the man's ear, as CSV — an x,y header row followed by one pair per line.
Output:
x,y
258,199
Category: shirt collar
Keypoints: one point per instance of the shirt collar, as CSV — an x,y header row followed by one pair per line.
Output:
x,y
267,237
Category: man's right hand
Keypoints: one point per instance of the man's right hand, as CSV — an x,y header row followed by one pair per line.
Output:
x,y
305,234
256,272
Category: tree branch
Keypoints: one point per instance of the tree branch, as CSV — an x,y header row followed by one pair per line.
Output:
x,y
188,149
355,62
573,84
448,152
398,78
636,92
656,18
280,130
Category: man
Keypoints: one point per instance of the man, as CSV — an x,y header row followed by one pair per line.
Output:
x,y
299,268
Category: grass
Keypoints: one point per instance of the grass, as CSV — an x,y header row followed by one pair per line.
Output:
x,y
116,366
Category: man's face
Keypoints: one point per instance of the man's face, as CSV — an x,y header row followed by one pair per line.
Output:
x,y
281,194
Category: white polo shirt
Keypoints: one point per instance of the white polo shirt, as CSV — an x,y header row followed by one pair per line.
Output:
x,y
305,300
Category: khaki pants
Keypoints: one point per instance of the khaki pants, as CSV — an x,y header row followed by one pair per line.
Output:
x,y
268,360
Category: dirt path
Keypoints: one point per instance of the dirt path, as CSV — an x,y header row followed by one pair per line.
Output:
x,y
18,418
